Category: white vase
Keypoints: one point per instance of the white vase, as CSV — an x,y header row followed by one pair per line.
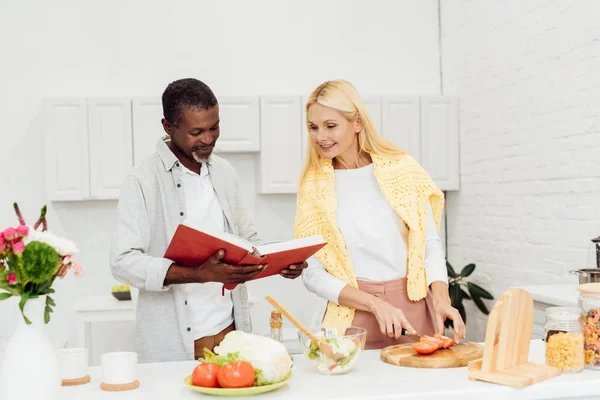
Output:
x,y
30,363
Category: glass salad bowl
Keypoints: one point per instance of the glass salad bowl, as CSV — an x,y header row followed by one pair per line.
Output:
x,y
346,343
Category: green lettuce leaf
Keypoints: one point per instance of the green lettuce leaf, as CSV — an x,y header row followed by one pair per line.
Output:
x,y
210,357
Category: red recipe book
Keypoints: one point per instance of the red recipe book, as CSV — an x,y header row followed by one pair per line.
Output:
x,y
192,246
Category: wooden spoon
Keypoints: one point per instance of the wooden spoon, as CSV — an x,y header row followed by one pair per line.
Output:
x,y
324,347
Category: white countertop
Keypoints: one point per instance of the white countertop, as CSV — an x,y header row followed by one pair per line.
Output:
x,y
372,380
564,295
106,302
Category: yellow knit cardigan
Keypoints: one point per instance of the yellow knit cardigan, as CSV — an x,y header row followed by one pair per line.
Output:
x,y
407,188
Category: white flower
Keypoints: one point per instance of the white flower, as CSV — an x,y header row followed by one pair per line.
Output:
x,y
63,246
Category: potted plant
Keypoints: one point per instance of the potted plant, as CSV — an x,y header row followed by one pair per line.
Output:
x,y
460,290
31,258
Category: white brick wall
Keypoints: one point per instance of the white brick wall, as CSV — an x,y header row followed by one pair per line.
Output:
x,y
528,76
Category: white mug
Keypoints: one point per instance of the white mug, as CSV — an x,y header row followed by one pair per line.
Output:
x,y
72,363
119,367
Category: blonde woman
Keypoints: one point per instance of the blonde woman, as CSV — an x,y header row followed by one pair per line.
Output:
x,y
384,267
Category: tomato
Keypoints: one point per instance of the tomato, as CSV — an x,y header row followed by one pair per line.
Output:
x,y
447,342
205,375
435,341
237,374
424,347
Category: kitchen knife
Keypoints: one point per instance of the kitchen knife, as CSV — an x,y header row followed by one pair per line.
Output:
x,y
414,337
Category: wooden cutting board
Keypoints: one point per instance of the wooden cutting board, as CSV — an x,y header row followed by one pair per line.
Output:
x,y
458,355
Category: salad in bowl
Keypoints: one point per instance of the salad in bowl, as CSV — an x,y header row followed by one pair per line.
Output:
x,y
346,345
242,362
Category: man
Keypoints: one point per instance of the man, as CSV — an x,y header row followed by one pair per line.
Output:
x,y
180,309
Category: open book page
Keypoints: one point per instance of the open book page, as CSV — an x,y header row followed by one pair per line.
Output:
x,y
225,236
276,247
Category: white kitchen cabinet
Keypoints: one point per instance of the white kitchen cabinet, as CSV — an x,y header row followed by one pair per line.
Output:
x,y
147,127
304,129
66,145
88,148
240,125
439,140
373,104
281,144
401,123
111,157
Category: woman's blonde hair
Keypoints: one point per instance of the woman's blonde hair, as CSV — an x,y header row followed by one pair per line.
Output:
x,y
342,96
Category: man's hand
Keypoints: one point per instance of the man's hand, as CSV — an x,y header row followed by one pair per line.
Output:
x,y
213,270
293,271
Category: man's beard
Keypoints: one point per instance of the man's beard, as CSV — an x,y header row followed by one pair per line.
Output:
x,y
199,160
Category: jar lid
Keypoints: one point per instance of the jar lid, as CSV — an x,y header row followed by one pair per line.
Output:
x,y
563,313
593,287
275,314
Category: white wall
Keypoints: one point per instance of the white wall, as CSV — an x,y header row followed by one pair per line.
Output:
x,y
527,73
135,48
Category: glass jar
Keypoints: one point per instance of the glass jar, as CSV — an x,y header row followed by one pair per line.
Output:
x,y
589,302
564,339
276,323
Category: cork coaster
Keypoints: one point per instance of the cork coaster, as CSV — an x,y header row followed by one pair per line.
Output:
x,y
76,382
119,387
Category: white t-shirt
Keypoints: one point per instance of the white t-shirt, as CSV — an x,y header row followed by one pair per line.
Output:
x,y
209,311
375,236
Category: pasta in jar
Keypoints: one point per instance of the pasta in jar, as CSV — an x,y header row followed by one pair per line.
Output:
x,y
564,339
589,301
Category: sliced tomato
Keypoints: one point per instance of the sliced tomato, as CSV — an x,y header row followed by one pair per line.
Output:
x,y
424,347
205,375
237,374
447,342
430,339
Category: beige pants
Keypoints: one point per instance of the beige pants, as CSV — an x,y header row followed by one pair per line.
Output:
x,y
210,342
420,314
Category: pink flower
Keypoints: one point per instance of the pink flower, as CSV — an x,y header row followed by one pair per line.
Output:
x,y
9,234
1,241
12,279
18,247
62,271
78,269
23,230
67,260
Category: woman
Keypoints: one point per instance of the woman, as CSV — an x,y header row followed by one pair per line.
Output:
x,y
379,211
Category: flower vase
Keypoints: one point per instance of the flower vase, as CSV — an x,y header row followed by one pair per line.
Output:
x,y
30,364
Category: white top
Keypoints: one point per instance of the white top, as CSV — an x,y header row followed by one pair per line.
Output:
x,y
209,311
162,381
375,236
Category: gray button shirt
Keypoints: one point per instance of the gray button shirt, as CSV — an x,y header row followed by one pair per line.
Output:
x,y
151,206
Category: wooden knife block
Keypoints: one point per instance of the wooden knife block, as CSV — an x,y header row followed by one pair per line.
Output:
x,y
507,339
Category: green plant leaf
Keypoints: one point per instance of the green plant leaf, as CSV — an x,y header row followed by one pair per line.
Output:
x,y
478,291
455,295
4,296
48,309
465,295
451,272
467,270
481,305
462,312
24,298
